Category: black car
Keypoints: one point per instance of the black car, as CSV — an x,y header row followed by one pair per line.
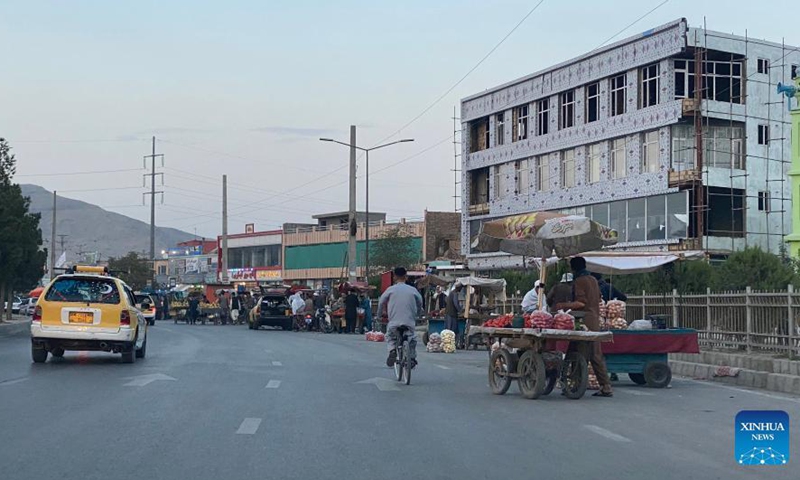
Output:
x,y
273,310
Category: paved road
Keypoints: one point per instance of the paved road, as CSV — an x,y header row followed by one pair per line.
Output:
x,y
281,405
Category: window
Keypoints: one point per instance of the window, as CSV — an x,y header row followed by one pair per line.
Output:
x,y
618,94
599,213
619,159
593,162
542,116
726,212
650,150
722,81
499,183
542,173
678,215
479,135
162,269
660,217
567,118
636,220
88,290
763,134
522,178
617,219
649,86
499,129
656,225
568,169
794,72
520,127
592,102
479,186
763,65
723,147
763,202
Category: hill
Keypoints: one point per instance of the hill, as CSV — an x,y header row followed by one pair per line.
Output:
x,y
92,229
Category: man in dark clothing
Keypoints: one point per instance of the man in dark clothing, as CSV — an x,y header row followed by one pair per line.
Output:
x,y
453,309
609,291
561,292
441,298
193,312
586,298
351,311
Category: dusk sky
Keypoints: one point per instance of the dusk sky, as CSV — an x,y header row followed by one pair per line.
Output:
x,y
246,88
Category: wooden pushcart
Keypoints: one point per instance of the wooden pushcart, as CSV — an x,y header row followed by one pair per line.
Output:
x,y
529,355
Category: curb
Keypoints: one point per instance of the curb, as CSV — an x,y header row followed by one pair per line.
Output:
x,y
776,382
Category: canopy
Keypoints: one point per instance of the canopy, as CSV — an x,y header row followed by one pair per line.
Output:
x,y
621,263
486,285
36,292
543,234
431,280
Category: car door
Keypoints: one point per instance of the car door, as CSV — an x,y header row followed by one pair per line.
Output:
x,y
140,321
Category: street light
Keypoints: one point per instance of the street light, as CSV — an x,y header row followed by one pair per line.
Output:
x,y
366,151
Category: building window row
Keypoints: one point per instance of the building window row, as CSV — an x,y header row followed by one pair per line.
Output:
x,y
722,80
723,147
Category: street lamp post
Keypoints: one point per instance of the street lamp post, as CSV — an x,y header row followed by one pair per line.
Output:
x,y
366,189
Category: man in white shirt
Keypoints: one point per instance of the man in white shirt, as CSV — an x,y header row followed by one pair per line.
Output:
x,y
531,299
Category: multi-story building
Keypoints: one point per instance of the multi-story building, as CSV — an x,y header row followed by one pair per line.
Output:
x,y
254,257
191,262
613,135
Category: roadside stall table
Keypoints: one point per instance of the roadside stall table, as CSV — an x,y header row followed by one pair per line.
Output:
x,y
644,354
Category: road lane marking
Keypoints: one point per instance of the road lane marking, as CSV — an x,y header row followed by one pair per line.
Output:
x,y
743,390
12,382
606,433
635,392
273,384
277,364
443,367
142,380
383,384
249,426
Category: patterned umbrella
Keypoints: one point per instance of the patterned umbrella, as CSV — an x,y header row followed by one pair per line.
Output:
x,y
544,234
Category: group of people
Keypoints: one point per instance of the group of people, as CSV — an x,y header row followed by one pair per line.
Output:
x,y
581,291
233,307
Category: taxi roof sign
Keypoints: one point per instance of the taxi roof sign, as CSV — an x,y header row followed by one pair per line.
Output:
x,y
89,269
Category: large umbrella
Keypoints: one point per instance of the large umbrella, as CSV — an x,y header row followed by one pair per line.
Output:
x,y
543,235
36,292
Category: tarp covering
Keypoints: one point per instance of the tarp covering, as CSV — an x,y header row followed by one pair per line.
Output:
x,y
486,285
431,280
621,263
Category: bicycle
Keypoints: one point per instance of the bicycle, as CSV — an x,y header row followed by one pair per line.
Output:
x,y
403,365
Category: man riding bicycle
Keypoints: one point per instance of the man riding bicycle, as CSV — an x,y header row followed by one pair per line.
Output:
x,y
403,304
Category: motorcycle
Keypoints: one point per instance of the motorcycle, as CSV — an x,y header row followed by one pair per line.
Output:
x,y
322,320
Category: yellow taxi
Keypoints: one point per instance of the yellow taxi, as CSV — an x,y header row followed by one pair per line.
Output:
x,y
88,309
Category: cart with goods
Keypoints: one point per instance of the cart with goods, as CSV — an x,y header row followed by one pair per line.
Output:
x,y
530,356
481,299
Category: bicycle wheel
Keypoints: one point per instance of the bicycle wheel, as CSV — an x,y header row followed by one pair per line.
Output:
x,y
407,362
398,364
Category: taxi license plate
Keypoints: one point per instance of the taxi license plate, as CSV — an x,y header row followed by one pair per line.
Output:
x,y
81,317
288,313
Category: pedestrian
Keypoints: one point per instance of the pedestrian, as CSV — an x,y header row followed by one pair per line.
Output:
x,y
530,301
441,299
366,306
561,292
193,312
351,310
586,298
224,307
235,307
609,291
166,308
453,309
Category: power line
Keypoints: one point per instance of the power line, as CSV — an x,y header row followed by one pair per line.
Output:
x,y
101,189
92,172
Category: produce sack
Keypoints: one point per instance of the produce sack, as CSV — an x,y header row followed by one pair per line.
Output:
x,y
615,309
563,321
541,319
641,325
618,324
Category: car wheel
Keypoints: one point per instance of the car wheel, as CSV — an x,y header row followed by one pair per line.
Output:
x,y
57,352
39,355
141,352
151,322
129,356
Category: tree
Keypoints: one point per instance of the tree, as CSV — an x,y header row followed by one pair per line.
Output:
x,y
22,259
394,249
755,268
132,269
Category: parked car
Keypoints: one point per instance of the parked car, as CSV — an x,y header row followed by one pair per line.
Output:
x,y
147,305
15,304
273,310
27,305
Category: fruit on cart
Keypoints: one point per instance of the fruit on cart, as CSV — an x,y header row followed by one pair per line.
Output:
x,y
541,319
593,383
603,309
563,321
448,341
435,343
619,324
615,309
503,321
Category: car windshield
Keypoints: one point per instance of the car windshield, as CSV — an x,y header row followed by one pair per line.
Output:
x,y
89,290
140,299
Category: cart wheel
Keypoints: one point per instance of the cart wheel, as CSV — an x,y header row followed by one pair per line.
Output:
x,y
531,379
552,378
501,364
657,374
637,378
576,375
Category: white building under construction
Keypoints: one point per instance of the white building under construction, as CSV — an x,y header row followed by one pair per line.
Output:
x,y
614,135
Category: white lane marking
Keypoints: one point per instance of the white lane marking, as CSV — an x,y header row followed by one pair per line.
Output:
x,y
249,426
608,434
743,390
635,392
273,384
142,380
277,364
443,367
383,384
12,382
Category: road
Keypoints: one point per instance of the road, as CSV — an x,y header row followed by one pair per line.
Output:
x,y
213,402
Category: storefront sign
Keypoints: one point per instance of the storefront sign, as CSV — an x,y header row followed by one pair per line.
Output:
x,y
268,275
242,274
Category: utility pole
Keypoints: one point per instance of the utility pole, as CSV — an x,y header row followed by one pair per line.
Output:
x,y
224,229
53,241
351,246
62,241
152,194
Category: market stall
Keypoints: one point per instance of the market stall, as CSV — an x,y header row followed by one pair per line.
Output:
x,y
481,300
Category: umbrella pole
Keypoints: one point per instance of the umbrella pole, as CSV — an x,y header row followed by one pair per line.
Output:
x,y
542,278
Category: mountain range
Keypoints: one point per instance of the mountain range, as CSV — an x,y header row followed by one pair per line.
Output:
x,y
89,228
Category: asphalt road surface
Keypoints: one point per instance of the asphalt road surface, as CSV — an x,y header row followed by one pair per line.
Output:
x,y
213,402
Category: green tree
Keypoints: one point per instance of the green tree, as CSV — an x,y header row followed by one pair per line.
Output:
x,y
21,256
395,248
132,269
755,268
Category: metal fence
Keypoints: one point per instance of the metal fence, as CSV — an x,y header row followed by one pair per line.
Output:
x,y
748,320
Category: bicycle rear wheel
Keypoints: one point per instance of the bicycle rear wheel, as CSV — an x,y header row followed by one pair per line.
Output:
x,y
398,364
407,362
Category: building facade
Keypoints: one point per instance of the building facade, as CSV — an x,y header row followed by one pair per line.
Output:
x,y
193,262
613,135
254,257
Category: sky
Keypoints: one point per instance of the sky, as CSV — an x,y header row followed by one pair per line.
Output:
x,y
247,88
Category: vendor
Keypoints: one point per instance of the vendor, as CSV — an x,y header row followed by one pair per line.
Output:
x,y
561,292
586,298
530,301
609,291
453,309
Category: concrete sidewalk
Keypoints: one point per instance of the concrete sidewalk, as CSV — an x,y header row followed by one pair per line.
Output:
x,y
18,324
744,370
